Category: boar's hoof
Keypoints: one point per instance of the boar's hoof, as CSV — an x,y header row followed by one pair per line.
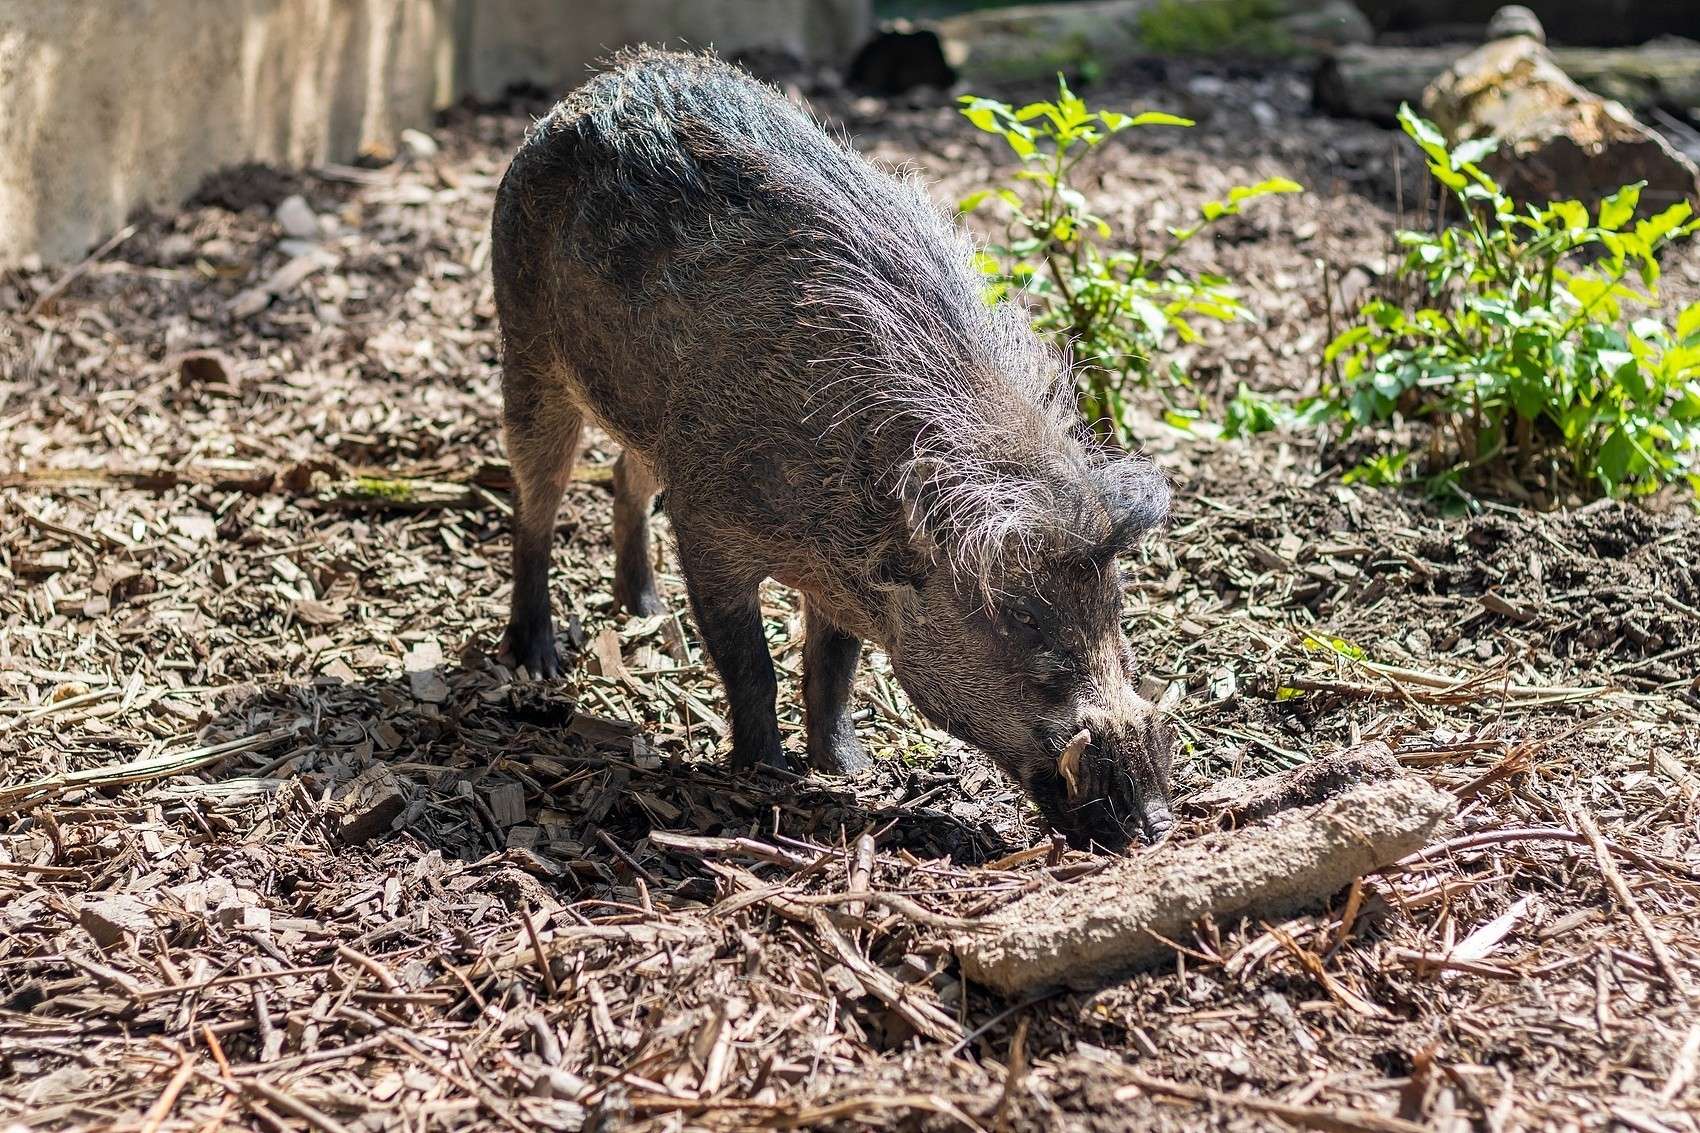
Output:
x,y
645,603
839,756
532,647
745,759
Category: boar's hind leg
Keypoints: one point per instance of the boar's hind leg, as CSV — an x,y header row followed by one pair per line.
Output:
x,y
542,444
634,573
829,677
728,615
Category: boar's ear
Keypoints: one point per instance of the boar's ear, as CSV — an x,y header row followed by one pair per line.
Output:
x,y
1136,496
916,494
909,559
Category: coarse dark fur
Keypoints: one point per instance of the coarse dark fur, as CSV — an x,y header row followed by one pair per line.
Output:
x,y
796,346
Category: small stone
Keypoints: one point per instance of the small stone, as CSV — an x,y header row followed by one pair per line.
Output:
x,y
249,302
419,145
176,248
1206,86
1514,19
297,218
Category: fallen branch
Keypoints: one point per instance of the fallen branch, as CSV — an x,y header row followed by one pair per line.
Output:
x,y
46,298
1120,919
917,1012
1330,1119
1608,868
1538,834
14,799
1478,683
902,906
345,487
699,845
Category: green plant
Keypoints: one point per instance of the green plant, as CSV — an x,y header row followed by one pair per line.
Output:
x,y
1251,412
1533,346
1214,27
1113,308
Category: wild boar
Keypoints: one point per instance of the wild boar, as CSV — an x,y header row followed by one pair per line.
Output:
x,y
797,347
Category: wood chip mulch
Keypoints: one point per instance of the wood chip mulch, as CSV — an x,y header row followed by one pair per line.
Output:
x,y
283,847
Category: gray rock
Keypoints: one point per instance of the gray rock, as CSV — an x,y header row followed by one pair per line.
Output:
x,y
1514,19
297,218
419,145
1332,23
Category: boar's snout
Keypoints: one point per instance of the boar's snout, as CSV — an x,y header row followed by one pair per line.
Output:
x,y
1107,784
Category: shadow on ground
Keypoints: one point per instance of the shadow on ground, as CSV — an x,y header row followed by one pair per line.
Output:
x,y
471,764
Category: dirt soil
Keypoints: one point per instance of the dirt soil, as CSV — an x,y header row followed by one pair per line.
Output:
x,y
283,846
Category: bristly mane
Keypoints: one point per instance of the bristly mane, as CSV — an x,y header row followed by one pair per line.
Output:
x,y
1001,477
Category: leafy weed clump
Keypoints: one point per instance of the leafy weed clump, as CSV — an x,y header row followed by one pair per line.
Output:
x,y
1533,346
1113,308
1214,27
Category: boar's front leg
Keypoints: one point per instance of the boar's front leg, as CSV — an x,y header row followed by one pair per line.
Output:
x,y
724,601
829,678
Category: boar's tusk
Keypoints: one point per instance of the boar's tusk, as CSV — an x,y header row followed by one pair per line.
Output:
x,y
1068,763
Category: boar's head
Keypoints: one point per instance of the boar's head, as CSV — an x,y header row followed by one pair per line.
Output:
x,y
1006,632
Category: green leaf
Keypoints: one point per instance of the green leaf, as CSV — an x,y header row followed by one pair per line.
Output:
x,y
1263,188
1688,322
1424,133
1158,118
1447,177
1572,215
1616,209
1657,228
1471,152
1345,341
1614,460
973,200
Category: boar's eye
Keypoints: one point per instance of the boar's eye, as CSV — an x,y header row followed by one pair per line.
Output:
x,y
1022,621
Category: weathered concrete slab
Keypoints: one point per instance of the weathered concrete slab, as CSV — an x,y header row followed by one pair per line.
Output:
x,y
106,107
